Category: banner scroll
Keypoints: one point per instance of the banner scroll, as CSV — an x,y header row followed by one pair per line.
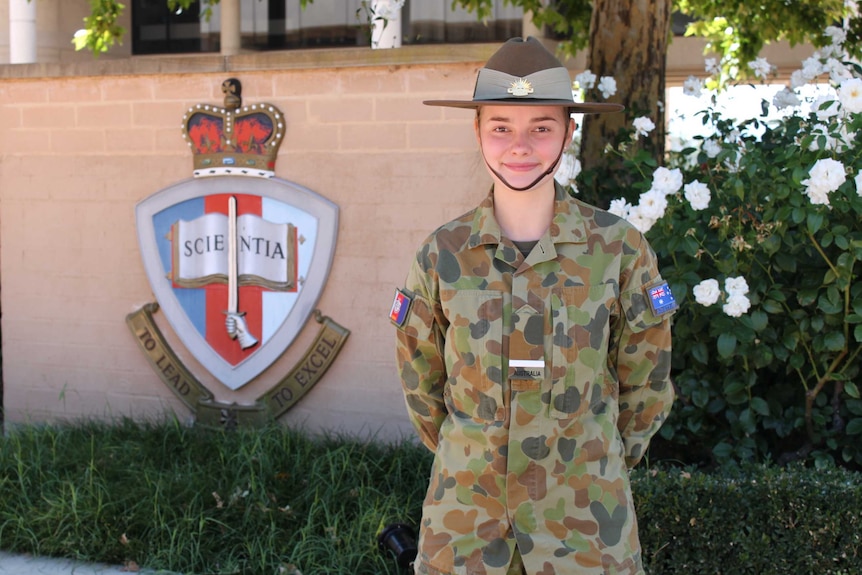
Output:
x,y
268,407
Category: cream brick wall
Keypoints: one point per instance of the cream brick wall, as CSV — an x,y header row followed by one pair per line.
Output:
x,y
76,155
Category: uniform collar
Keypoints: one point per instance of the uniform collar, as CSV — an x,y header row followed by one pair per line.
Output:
x,y
568,224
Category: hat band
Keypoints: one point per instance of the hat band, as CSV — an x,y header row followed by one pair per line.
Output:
x,y
548,84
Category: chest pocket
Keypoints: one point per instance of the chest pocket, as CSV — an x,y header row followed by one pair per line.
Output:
x,y
473,353
580,321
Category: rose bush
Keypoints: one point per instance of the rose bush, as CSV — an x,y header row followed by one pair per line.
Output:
x,y
758,229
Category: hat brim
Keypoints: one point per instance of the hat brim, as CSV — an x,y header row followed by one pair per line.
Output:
x,y
576,107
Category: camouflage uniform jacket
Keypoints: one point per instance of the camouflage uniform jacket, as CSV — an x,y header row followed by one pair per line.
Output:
x,y
534,454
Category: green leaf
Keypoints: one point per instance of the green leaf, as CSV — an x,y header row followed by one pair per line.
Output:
x,y
857,333
815,221
777,295
693,425
726,344
747,422
700,397
816,322
828,303
796,361
785,261
724,450
798,215
851,389
759,405
700,352
771,306
736,393
759,320
834,341
806,296
790,340
771,245
842,242
855,426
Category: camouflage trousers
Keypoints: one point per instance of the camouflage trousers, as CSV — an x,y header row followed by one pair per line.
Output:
x,y
516,567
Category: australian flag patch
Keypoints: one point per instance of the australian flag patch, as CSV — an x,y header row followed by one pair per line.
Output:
x,y
661,299
400,307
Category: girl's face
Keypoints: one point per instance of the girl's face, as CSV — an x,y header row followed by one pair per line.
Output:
x,y
520,143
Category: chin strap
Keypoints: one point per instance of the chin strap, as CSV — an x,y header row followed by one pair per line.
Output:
x,y
550,170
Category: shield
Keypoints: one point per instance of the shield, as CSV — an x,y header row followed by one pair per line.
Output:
x,y
255,270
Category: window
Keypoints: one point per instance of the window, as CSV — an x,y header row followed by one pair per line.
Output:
x,y
157,30
283,24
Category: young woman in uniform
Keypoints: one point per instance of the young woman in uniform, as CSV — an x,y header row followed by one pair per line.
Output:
x,y
533,345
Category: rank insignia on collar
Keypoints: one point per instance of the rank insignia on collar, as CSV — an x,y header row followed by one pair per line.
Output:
x,y
400,307
661,299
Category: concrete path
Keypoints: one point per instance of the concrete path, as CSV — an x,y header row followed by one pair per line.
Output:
x,y
11,564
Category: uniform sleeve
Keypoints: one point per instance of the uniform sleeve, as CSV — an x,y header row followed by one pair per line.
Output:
x,y
642,351
419,356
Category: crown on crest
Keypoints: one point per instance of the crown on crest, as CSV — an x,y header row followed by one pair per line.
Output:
x,y
234,139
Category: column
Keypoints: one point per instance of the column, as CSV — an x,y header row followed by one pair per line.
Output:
x,y
386,23
230,27
22,31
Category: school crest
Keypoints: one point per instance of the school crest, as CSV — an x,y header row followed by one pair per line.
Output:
x,y
236,257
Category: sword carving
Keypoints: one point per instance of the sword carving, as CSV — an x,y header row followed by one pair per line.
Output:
x,y
235,320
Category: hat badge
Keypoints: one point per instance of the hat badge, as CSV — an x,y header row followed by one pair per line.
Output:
x,y
520,87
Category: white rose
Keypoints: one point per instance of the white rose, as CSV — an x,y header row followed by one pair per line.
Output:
x,y
858,181
817,195
838,72
620,207
824,112
607,86
643,126
812,67
736,286
586,80
836,34
786,98
653,204
824,137
568,171
850,95
761,67
825,176
639,220
797,79
711,147
706,292
692,87
711,66
667,181
697,194
736,305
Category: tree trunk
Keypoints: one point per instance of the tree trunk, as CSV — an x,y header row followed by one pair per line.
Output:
x,y
628,41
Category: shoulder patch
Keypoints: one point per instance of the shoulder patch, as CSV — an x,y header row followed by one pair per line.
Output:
x,y
400,307
661,299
